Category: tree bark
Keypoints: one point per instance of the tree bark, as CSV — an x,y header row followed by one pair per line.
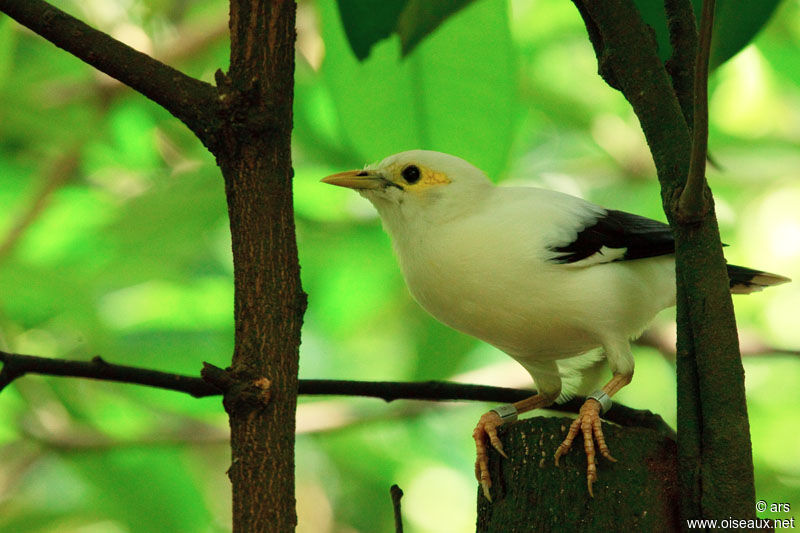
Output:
x,y
715,454
255,157
637,493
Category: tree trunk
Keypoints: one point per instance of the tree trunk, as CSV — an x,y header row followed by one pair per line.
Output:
x,y
637,493
713,428
255,157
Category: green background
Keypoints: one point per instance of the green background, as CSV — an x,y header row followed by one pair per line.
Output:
x,y
126,254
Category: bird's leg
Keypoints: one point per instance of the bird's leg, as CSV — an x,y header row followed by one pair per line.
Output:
x,y
487,427
588,422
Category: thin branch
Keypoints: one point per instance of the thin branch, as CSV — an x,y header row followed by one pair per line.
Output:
x,y
448,391
80,437
17,365
397,494
60,172
692,204
18,460
192,101
751,343
193,39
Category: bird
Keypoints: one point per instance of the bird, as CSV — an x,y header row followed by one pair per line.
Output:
x,y
554,281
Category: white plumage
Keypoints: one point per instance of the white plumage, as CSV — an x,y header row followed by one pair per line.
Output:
x,y
541,275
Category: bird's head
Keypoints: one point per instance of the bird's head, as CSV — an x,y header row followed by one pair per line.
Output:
x,y
418,184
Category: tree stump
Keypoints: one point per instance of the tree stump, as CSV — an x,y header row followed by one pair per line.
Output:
x,y
529,493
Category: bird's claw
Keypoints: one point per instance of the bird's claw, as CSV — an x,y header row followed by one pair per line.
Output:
x,y
485,485
487,427
588,422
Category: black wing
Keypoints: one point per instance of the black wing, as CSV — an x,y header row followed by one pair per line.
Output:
x,y
638,236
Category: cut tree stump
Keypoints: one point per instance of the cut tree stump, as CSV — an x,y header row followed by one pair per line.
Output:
x,y
529,493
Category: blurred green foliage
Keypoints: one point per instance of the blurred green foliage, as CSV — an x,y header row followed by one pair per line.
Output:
x,y
735,24
113,241
366,22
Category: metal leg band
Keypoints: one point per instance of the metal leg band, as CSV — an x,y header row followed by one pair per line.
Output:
x,y
507,412
603,398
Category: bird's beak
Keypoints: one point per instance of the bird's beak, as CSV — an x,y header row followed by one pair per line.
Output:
x,y
356,179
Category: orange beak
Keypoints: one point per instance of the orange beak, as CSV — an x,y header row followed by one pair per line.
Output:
x,y
356,179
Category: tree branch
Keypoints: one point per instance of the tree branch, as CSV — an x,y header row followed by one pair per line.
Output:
x,y
397,494
60,172
752,344
17,365
714,451
680,66
192,101
692,204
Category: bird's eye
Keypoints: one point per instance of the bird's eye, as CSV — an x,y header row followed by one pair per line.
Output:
x,y
411,174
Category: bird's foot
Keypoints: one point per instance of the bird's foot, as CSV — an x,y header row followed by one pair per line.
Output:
x,y
588,422
487,427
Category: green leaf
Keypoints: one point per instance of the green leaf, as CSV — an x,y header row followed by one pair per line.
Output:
x,y
421,17
176,214
149,489
456,94
8,40
735,24
368,21
653,14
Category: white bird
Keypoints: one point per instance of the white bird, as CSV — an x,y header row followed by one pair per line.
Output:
x,y
548,278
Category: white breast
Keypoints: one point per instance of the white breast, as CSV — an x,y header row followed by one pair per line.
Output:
x,y
488,276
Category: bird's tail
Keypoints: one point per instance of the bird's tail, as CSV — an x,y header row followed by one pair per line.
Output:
x,y
746,280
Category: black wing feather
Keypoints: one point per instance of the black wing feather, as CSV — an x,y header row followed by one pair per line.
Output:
x,y
640,236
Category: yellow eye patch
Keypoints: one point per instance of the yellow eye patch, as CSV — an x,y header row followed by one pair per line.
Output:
x,y
434,178
428,178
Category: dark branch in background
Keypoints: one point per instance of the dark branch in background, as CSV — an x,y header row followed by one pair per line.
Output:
x,y
752,344
397,493
692,204
17,365
56,176
192,101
